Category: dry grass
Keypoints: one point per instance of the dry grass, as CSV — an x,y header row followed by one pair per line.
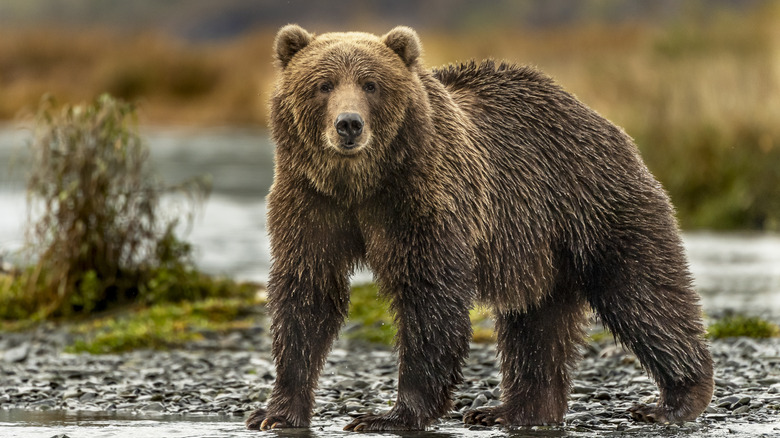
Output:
x,y
174,83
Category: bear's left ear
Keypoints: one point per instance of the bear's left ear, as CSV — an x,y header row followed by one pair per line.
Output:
x,y
404,41
289,41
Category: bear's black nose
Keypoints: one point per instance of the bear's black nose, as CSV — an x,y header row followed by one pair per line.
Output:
x,y
349,126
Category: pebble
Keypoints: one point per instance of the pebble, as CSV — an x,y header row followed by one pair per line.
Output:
x,y
17,354
234,375
479,401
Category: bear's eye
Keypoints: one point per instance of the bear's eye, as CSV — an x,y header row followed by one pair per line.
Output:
x,y
326,87
369,87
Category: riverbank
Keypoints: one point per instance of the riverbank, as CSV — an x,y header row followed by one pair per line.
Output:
x,y
233,374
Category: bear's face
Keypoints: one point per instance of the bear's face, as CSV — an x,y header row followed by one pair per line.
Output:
x,y
345,94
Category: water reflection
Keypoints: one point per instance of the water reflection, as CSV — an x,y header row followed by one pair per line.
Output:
x,y
28,424
95,424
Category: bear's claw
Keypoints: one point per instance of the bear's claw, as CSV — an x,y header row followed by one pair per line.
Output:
x,y
490,416
255,419
648,413
375,423
259,420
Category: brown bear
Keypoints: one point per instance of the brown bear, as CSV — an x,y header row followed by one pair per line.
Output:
x,y
479,182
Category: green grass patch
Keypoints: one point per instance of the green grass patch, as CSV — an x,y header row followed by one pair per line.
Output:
x,y
601,335
740,325
172,324
482,325
372,320
370,316
163,326
164,284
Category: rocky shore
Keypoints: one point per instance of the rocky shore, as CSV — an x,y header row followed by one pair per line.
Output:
x,y
233,374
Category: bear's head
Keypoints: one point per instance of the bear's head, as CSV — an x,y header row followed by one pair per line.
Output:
x,y
343,96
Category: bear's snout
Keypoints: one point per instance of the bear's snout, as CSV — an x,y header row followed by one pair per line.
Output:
x,y
349,126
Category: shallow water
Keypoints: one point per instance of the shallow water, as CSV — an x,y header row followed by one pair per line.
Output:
x,y
19,423
40,424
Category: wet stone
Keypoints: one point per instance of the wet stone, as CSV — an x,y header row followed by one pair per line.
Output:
x,y
583,389
742,401
17,354
154,407
479,401
729,402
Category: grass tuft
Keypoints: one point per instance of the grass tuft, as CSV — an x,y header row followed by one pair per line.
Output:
x,y
740,325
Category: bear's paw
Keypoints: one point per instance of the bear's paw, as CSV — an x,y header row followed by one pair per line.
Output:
x,y
649,413
382,422
489,416
260,420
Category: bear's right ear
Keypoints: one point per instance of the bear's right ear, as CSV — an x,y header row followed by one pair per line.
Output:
x,y
405,43
289,41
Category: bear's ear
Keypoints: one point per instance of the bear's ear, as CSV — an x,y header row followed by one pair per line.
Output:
x,y
289,41
404,41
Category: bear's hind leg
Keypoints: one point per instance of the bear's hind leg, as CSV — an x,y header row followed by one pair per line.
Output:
x,y
538,349
662,326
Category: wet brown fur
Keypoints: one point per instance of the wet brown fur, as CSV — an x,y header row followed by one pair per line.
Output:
x,y
476,182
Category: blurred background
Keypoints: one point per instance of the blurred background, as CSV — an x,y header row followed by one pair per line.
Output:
x,y
695,83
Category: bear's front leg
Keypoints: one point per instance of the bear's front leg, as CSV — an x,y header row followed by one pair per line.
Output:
x,y
431,293
305,321
434,331
314,247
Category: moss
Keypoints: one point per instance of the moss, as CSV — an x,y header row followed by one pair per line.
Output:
x,y
370,316
740,325
163,326
599,336
166,285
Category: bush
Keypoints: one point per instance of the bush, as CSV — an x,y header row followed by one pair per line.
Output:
x,y
98,235
717,178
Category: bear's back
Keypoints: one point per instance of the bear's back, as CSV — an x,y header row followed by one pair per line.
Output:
x,y
486,74
536,133
560,175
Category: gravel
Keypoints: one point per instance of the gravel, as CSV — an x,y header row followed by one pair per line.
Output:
x,y
232,375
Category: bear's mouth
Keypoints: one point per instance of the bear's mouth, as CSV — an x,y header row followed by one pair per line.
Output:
x,y
349,147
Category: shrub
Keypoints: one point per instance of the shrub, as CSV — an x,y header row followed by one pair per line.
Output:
x,y
98,235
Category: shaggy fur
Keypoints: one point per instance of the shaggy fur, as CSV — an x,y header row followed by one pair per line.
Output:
x,y
477,182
